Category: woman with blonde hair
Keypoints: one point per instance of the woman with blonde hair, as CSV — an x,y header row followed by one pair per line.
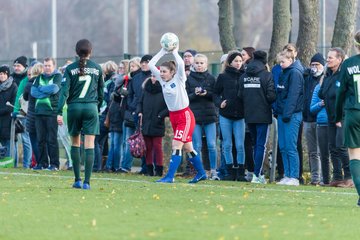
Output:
x,y
36,69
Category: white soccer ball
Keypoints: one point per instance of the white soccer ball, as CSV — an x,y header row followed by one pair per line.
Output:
x,y
169,41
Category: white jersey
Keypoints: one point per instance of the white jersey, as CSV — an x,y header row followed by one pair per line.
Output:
x,y
174,91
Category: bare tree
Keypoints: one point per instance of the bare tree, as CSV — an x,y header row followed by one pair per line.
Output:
x,y
344,24
238,21
281,28
227,39
308,29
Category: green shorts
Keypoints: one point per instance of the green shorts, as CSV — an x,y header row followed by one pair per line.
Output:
x,y
83,118
352,129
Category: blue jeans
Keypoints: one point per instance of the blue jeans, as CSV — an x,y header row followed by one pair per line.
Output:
x,y
288,134
27,150
259,132
210,132
127,158
115,151
228,128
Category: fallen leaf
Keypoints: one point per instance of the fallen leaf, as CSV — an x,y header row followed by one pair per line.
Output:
x,y
221,208
93,223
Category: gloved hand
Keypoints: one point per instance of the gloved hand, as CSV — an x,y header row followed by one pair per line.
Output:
x,y
286,119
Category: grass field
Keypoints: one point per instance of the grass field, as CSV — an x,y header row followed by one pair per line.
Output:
x,y
42,205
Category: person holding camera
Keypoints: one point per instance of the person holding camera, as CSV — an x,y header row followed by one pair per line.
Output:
x,y
199,86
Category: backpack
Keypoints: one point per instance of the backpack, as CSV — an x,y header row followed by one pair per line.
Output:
x,y
137,142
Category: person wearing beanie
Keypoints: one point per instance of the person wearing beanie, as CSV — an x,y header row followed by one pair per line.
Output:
x,y
188,58
315,73
231,116
8,89
257,91
20,77
145,58
347,110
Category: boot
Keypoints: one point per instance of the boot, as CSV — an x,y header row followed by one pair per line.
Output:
x,y
241,173
159,171
150,170
230,176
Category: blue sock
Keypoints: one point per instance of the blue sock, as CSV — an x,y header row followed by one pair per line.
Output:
x,y
173,166
195,160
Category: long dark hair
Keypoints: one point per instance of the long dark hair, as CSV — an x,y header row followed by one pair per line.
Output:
x,y
83,50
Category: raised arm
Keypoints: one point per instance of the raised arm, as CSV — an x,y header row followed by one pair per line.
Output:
x,y
153,61
180,71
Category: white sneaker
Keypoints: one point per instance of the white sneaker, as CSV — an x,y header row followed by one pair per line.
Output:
x,y
249,176
260,180
292,182
283,181
214,175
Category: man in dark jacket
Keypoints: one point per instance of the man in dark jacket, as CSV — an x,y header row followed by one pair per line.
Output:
x,y
338,152
20,77
317,63
258,93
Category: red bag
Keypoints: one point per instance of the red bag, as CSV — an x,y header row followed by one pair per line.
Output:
x,y
137,142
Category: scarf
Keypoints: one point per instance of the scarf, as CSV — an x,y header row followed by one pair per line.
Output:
x,y
6,85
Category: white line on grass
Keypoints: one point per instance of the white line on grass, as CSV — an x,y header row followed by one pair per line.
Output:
x,y
323,191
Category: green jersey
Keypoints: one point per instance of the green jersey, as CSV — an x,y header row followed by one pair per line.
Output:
x,y
348,94
88,88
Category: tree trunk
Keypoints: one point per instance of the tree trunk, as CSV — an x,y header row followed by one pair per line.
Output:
x,y
281,28
344,25
238,21
308,29
227,40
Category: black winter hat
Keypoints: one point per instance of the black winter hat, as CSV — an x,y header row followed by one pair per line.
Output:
x,y
192,51
5,69
261,56
318,57
146,58
21,60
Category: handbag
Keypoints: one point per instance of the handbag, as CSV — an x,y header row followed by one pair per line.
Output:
x,y
137,142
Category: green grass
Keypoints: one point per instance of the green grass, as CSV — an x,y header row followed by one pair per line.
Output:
x,y
42,205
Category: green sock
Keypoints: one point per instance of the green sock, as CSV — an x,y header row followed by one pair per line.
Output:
x,y
75,156
355,173
89,162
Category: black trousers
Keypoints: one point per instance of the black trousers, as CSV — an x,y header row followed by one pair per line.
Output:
x,y
46,132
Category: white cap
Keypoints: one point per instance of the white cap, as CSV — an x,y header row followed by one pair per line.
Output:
x,y
223,58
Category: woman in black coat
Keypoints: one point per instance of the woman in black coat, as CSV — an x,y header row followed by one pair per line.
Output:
x,y
8,89
153,109
199,86
231,114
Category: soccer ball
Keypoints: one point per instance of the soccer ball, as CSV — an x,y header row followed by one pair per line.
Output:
x,y
169,41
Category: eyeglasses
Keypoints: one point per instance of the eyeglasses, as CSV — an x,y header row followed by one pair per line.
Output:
x,y
314,64
187,56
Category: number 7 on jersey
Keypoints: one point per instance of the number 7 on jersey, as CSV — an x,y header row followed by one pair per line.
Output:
x,y
87,80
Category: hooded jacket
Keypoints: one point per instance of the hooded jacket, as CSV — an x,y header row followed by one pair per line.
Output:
x,y
290,91
203,107
258,93
226,88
